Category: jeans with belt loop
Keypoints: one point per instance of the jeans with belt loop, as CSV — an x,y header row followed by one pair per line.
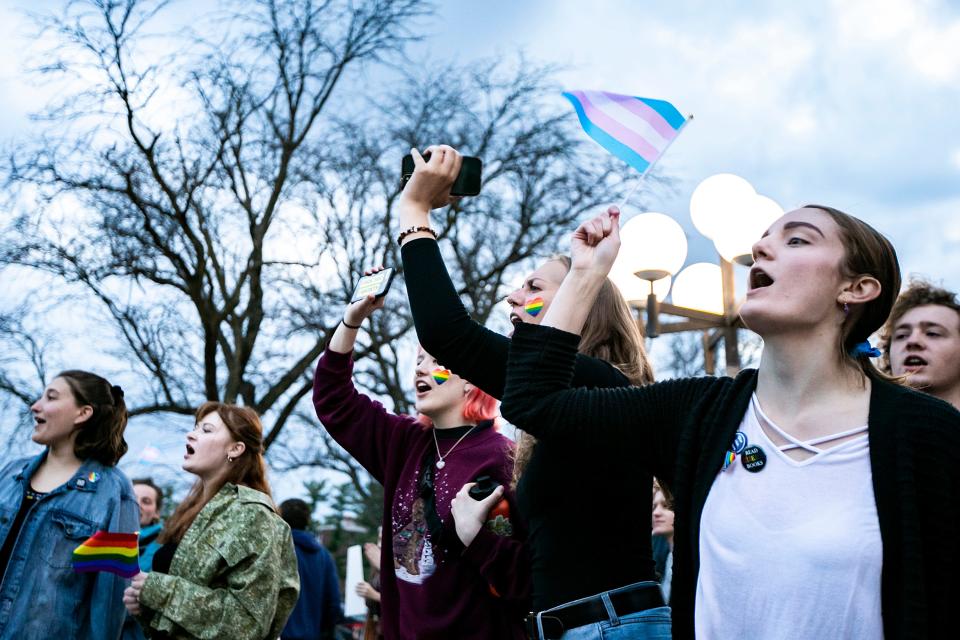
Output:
x,y
649,624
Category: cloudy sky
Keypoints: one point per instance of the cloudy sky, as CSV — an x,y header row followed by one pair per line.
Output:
x,y
850,103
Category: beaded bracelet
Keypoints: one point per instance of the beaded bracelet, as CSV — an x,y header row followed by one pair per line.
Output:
x,y
406,232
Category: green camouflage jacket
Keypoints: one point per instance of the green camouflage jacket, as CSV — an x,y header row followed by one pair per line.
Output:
x,y
234,574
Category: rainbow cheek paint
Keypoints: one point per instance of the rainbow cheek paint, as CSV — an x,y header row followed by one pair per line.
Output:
x,y
534,306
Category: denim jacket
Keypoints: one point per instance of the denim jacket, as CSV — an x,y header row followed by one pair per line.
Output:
x,y
41,596
234,574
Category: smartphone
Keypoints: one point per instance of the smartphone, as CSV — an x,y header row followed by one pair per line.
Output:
x,y
467,182
376,283
485,485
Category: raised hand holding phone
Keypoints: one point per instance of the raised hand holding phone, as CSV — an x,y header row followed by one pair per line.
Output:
x,y
428,188
345,335
432,179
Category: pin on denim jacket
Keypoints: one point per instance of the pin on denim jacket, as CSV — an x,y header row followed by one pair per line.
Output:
x,y
41,596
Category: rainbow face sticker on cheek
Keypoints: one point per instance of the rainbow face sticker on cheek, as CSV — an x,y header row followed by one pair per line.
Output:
x,y
534,306
440,375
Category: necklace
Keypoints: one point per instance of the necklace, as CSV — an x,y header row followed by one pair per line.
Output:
x,y
440,463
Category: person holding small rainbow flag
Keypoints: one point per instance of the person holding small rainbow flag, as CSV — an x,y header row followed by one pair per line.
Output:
x,y
68,517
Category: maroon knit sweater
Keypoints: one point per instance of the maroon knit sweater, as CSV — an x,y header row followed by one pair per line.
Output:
x,y
429,588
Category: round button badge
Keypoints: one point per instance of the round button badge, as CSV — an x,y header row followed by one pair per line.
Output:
x,y
753,459
739,442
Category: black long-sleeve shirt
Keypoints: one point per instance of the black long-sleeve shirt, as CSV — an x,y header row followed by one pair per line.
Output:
x,y
680,430
584,538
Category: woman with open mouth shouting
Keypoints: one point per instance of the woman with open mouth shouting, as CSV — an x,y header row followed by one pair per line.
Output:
x,y
227,566
814,497
52,502
439,579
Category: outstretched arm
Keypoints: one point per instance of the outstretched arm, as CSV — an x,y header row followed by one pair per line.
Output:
x,y
359,424
444,327
538,399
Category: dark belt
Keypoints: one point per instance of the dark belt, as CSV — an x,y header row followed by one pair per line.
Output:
x,y
562,619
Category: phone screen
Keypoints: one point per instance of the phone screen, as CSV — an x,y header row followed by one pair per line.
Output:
x,y
376,283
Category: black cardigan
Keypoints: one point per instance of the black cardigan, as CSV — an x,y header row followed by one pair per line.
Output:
x,y
680,429
583,539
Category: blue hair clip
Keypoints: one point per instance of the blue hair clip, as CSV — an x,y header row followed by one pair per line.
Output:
x,y
864,349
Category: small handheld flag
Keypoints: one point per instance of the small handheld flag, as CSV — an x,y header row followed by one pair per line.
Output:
x,y
636,130
110,552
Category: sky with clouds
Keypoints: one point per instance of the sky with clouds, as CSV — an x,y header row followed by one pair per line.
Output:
x,y
852,104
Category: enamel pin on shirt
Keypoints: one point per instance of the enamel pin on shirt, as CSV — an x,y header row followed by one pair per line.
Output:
x,y
753,459
736,447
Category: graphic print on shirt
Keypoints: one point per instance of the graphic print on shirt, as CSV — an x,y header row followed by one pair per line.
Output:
x,y
413,559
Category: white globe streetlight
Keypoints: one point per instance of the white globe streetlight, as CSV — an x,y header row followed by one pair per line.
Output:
x,y
743,227
652,246
699,286
716,200
633,289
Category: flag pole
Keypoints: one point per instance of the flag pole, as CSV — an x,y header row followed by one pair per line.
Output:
x,y
639,181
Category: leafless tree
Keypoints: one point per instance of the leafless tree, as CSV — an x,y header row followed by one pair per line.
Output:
x,y
181,236
686,358
222,233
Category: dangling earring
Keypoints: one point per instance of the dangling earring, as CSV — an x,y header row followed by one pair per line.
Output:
x,y
846,309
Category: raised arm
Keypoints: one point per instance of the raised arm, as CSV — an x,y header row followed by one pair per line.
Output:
x,y
361,425
593,247
444,327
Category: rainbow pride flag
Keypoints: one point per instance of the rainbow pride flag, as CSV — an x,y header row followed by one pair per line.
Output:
x,y
636,130
111,552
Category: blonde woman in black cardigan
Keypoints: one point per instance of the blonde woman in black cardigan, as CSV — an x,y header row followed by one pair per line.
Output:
x,y
814,497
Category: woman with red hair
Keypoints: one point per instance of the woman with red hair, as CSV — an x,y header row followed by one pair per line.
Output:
x,y
432,586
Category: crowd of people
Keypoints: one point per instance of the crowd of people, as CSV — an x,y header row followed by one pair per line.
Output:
x,y
814,496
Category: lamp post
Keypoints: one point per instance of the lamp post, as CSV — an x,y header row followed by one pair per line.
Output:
x,y
726,209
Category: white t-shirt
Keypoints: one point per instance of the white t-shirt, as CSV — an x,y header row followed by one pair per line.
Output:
x,y
792,551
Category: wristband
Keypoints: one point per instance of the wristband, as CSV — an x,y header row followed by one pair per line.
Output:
x,y
349,326
406,232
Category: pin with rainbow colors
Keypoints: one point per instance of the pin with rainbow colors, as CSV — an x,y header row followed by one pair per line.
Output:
x,y
440,375
736,447
93,477
534,306
728,459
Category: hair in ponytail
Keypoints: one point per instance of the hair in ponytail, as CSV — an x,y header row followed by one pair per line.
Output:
x,y
101,436
867,252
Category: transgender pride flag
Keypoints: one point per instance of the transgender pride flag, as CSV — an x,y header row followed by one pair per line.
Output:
x,y
636,130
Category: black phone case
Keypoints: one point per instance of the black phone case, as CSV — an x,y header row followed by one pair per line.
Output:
x,y
468,181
